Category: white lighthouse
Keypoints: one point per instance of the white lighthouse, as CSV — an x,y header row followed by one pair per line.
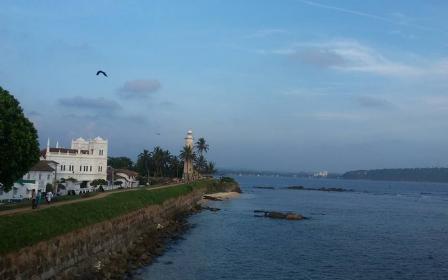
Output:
x,y
188,164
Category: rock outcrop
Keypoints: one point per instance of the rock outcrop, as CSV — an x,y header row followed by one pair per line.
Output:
x,y
279,215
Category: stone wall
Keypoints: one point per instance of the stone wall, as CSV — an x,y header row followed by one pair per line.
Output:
x,y
78,254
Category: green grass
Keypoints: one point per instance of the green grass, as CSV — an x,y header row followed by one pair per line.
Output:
x,y
21,230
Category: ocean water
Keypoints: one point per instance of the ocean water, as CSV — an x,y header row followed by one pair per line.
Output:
x,y
382,230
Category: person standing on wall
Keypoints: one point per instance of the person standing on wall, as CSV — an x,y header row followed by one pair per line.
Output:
x,y
38,197
33,199
49,196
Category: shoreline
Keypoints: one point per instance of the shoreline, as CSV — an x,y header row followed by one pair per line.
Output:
x,y
114,243
156,246
219,196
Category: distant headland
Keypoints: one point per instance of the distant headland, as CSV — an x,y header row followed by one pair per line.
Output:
x,y
430,174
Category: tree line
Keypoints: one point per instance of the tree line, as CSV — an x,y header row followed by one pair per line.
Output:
x,y
401,174
162,163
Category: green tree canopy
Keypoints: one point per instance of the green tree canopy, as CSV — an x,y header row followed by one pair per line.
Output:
x,y
19,148
120,163
202,146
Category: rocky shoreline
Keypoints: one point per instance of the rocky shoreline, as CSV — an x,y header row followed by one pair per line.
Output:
x,y
147,248
153,244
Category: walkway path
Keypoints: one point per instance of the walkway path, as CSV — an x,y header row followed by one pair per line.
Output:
x,y
43,205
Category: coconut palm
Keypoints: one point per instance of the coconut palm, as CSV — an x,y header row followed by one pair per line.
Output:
x,y
158,157
144,160
210,169
200,163
187,155
202,146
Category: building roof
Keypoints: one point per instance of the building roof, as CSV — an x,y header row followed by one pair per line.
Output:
x,y
42,165
43,152
127,172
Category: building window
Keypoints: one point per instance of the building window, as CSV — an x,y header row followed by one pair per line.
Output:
x,y
48,177
101,152
28,176
91,151
40,176
90,168
80,168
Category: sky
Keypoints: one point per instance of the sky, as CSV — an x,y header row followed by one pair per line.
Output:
x,y
283,85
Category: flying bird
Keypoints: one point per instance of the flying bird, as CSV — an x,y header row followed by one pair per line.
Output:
x,y
101,72
157,133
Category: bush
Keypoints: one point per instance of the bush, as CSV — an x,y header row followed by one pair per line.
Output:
x,y
227,180
49,187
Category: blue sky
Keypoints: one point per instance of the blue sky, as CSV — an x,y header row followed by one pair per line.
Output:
x,y
277,85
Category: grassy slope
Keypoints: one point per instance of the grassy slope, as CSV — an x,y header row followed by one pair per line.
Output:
x,y
26,229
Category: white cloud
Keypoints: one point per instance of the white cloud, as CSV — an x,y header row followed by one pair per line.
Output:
x,y
352,56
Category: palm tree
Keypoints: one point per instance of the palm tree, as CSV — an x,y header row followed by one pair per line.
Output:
x,y
144,159
158,155
187,155
201,146
211,168
201,163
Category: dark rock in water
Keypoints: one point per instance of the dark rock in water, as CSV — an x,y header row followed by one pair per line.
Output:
x,y
333,190
294,216
322,189
275,215
211,198
264,188
296,187
280,215
213,209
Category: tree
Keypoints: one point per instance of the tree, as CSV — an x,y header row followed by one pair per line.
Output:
x,y
202,146
19,148
201,164
158,156
143,163
174,166
187,155
49,187
98,182
210,169
120,163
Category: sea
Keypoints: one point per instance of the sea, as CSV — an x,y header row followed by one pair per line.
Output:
x,y
380,230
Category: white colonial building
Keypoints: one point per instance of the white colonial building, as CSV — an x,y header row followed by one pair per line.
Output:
x,y
43,173
86,160
20,190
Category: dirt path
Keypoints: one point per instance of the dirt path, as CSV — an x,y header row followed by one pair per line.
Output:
x,y
43,204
